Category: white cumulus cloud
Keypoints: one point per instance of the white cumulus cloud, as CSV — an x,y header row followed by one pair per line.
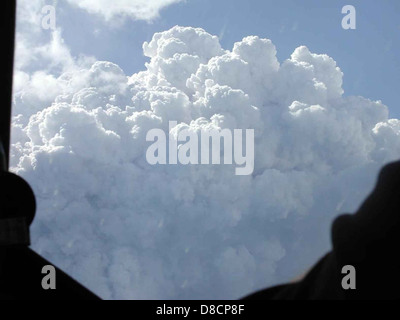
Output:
x,y
130,230
136,9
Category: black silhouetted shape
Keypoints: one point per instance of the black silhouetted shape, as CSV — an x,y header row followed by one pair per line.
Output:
x,y
20,267
367,240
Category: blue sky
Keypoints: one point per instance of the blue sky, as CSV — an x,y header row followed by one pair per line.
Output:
x,y
130,230
367,55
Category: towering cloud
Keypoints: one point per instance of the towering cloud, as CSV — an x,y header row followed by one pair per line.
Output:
x,y
127,229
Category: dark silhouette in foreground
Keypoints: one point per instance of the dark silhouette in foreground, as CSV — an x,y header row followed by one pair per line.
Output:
x,y
20,267
367,240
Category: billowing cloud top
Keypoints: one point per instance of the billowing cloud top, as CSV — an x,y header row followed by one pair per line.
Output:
x,y
130,230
